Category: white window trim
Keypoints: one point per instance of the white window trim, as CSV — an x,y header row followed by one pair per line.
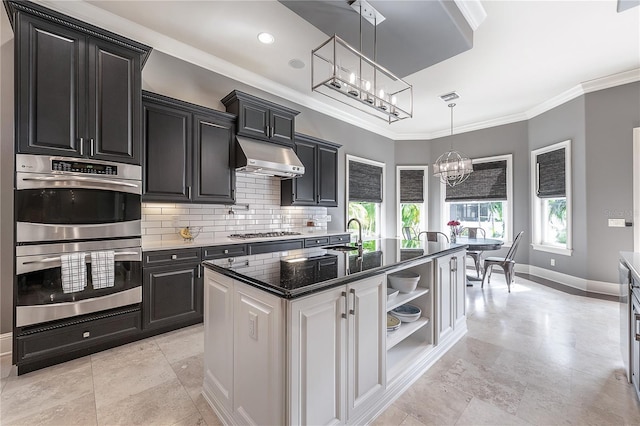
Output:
x,y
536,229
425,213
508,217
350,157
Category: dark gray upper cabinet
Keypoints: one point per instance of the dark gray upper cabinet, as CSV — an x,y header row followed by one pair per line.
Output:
x,y
319,184
261,119
188,152
77,87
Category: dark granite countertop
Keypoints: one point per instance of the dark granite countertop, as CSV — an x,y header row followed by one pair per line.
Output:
x,y
323,268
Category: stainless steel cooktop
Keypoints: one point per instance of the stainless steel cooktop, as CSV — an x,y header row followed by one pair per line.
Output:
x,y
263,235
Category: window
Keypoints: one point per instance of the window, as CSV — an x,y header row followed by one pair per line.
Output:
x,y
551,198
412,195
484,200
365,188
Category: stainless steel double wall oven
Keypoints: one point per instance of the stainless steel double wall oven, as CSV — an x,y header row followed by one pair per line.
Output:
x,y
70,205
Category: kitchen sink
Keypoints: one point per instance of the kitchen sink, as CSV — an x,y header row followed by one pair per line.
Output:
x,y
341,248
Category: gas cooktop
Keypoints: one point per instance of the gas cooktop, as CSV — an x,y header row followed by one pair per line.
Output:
x,y
263,235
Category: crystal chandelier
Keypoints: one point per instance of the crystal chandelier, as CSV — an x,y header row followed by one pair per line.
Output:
x,y
343,73
452,167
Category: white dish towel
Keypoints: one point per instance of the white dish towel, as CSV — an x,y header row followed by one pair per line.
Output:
x,y
102,269
73,272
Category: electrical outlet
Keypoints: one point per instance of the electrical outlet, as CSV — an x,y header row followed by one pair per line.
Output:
x,y
253,325
328,218
553,262
617,223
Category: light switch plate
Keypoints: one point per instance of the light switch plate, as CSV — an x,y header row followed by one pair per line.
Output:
x,y
617,223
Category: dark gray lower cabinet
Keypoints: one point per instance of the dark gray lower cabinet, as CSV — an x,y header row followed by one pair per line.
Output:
x,y
172,295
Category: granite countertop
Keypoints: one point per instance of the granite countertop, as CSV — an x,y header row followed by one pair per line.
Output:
x,y
208,242
632,259
323,268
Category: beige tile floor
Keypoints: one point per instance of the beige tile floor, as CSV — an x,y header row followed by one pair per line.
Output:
x,y
536,356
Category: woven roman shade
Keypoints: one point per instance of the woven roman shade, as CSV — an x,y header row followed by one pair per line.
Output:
x,y
411,186
551,174
365,182
487,182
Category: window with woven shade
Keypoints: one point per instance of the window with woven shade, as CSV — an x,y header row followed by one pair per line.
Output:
x,y
551,198
411,183
484,200
365,195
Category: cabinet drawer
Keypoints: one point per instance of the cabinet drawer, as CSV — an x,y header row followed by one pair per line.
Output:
x,y
77,335
271,247
315,242
220,252
336,239
167,257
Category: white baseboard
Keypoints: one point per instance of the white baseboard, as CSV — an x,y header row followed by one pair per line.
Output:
x,y
583,284
6,342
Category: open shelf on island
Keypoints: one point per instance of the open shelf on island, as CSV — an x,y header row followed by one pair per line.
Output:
x,y
404,352
405,330
403,298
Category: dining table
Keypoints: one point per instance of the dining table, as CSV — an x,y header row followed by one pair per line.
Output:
x,y
479,244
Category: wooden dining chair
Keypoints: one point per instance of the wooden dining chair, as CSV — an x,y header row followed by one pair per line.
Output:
x,y
433,235
507,263
476,255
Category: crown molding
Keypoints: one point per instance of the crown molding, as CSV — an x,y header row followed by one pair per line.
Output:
x,y
473,12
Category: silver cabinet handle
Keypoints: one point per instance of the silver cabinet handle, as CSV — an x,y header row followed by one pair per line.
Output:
x,y
92,147
79,179
199,271
226,251
344,314
188,192
82,146
353,311
637,318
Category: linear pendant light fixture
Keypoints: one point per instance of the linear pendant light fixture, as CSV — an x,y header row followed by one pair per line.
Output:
x,y
452,167
345,74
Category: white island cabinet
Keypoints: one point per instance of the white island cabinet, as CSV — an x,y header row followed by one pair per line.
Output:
x,y
325,357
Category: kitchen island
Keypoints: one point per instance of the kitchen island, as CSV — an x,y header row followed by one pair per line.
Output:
x,y
304,340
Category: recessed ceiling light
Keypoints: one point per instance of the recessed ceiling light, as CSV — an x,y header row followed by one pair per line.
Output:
x,y
296,63
266,38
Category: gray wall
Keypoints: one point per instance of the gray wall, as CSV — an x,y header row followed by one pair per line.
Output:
x,y
6,175
173,77
610,116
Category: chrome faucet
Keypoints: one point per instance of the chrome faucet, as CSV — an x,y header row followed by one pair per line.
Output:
x,y
359,242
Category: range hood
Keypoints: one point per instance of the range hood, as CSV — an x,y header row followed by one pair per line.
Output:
x,y
254,156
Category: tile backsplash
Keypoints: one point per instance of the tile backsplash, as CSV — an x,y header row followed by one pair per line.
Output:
x,y
261,194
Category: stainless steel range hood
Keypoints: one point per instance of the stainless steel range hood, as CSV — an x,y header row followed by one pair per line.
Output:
x,y
254,156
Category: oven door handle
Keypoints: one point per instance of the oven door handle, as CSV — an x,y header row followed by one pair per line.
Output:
x,y
81,179
59,259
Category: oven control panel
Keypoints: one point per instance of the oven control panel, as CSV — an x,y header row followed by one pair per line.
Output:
x,y
81,167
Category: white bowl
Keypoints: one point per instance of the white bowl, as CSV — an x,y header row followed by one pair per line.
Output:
x,y
406,313
404,281
391,293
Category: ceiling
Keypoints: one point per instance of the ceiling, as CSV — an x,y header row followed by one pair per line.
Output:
x,y
527,56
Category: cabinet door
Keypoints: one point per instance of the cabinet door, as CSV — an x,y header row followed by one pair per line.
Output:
x,y
253,120
367,343
304,187
115,98
327,176
259,332
167,162
459,285
317,354
281,127
172,295
214,176
51,88
444,298
218,337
